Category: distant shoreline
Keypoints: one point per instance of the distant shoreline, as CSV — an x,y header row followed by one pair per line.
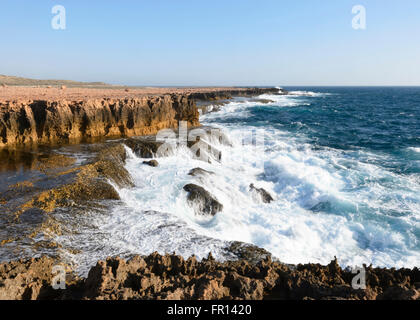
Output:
x,y
59,93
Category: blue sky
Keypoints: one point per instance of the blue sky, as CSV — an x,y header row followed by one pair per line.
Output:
x,y
230,42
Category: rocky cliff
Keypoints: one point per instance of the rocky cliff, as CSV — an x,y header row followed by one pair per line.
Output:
x,y
54,120
48,122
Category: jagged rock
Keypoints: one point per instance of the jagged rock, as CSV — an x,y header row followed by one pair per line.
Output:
x,y
152,163
202,201
172,277
32,280
265,196
198,172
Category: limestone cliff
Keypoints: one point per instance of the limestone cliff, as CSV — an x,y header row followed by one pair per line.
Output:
x,y
47,122
71,117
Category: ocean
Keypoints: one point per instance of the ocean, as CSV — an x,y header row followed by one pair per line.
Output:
x,y
342,164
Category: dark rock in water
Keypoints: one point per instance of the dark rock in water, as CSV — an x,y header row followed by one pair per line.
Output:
x,y
152,163
202,201
198,172
263,101
144,148
321,207
265,196
248,252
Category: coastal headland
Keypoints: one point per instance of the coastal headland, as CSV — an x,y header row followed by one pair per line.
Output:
x,y
55,115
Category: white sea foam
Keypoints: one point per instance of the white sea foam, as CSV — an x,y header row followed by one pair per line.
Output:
x,y
308,94
415,149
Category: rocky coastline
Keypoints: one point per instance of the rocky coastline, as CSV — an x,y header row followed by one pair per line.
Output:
x,y
72,117
29,123
172,277
253,274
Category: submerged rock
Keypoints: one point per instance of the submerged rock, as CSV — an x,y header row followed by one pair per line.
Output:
x,y
148,147
263,101
202,201
198,172
90,182
152,163
265,196
64,188
248,252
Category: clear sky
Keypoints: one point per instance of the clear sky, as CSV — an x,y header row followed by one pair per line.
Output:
x,y
212,42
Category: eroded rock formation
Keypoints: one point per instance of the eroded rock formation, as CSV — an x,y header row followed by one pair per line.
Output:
x,y
90,182
62,120
49,122
173,277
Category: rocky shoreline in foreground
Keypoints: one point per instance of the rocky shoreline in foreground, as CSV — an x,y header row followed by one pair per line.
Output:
x,y
253,274
172,277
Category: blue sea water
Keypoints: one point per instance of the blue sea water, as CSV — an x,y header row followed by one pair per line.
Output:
x,y
342,164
